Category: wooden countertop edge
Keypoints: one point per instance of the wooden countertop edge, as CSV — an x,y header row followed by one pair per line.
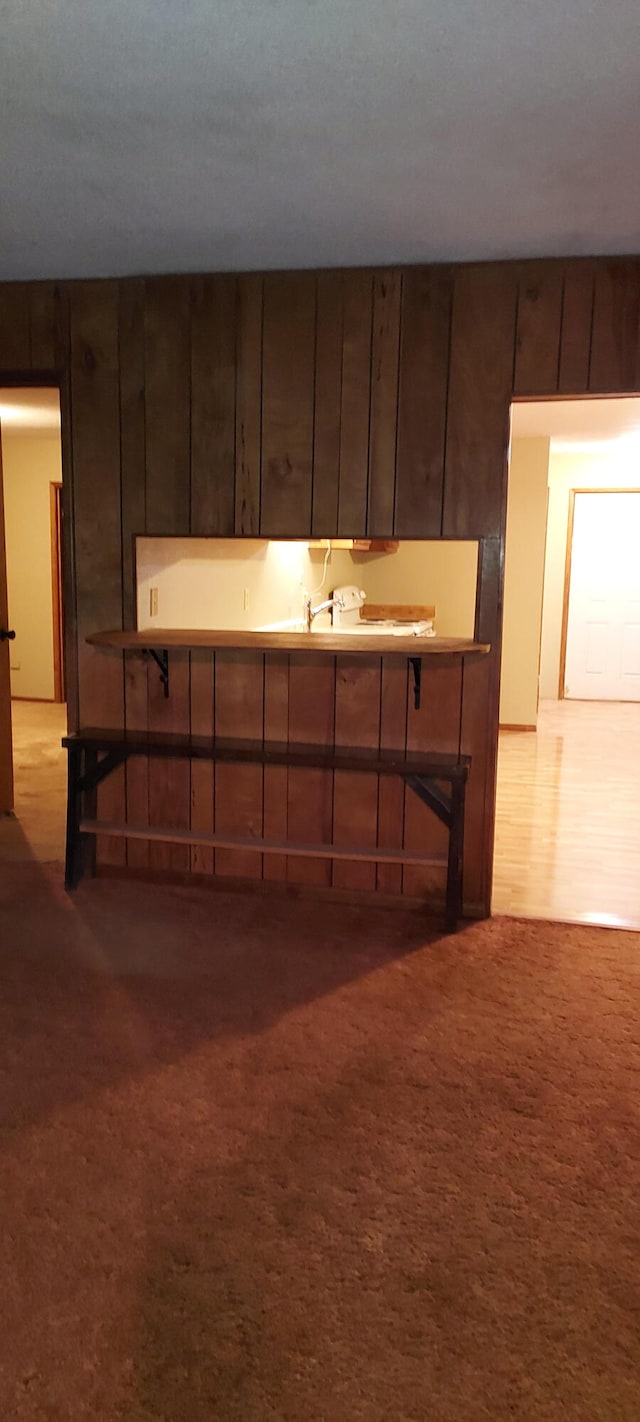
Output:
x,y
333,643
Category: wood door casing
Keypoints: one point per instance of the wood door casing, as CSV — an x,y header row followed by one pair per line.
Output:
x,y
6,750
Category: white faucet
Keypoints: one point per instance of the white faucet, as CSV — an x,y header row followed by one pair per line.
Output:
x,y
312,612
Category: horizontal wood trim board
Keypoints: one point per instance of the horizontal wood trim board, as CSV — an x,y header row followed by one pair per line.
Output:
x,y
261,846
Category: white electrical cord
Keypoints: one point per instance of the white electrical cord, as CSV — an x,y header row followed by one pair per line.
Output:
x,y
314,592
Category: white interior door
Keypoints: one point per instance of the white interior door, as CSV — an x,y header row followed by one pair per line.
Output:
x,y
603,625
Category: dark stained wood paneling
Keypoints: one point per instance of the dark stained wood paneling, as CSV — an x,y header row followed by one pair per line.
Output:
x,y
239,711
167,443
131,328
213,405
575,336
328,385
15,340
167,405
165,430
615,349
312,689
169,780
248,403
538,329
42,299
213,439
434,726
480,388
355,403
134,486
422,400
62,356
355,796
387,290
95,416
288,354
276,728
391,791
201,696
480,710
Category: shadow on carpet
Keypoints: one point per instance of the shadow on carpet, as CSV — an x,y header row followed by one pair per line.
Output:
x,y
282,1160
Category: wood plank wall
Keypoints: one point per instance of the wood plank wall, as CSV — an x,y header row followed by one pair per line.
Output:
x,y
339,402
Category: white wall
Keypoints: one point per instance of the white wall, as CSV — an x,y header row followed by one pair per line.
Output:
x,y
31,462
439,573
254,583
613,465
523,581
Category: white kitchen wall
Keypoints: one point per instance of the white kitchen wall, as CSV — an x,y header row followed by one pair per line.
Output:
x,y
254,583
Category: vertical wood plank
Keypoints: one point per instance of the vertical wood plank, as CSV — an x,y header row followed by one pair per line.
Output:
x,y
6,741
42,295
435,726
480,388
328,388
95,414
167,402
355,795
480,712
167,438
62,359
355,402
213,405
312,679
169,780
538,328
239,711
288,359
133,475
276,728
422,400
391,789
248,403
201,692
15,342
387,290
615,338
575,338
213,439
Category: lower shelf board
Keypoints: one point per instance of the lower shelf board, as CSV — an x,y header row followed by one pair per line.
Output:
x,y
368,854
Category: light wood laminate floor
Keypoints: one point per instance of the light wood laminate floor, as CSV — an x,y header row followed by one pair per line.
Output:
x,y
568,815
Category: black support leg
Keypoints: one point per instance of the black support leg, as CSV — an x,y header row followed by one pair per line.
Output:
x,y
73,865
455,860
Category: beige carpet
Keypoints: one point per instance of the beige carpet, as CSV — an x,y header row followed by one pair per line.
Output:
x,y
273,1160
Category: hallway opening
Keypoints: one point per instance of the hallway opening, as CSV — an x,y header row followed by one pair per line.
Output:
x,y
568,786
32,672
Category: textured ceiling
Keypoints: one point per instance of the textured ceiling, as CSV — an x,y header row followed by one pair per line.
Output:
x,y
154,135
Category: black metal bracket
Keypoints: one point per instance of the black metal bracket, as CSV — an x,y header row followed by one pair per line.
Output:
x,y
161,660
416,663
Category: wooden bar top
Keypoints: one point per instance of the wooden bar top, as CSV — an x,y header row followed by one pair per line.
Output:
x,y
344,643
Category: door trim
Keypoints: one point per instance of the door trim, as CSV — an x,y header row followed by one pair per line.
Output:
x,y
55,505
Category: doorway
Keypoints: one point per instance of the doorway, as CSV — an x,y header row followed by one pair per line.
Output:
x,y
32,707
600,652
568,792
